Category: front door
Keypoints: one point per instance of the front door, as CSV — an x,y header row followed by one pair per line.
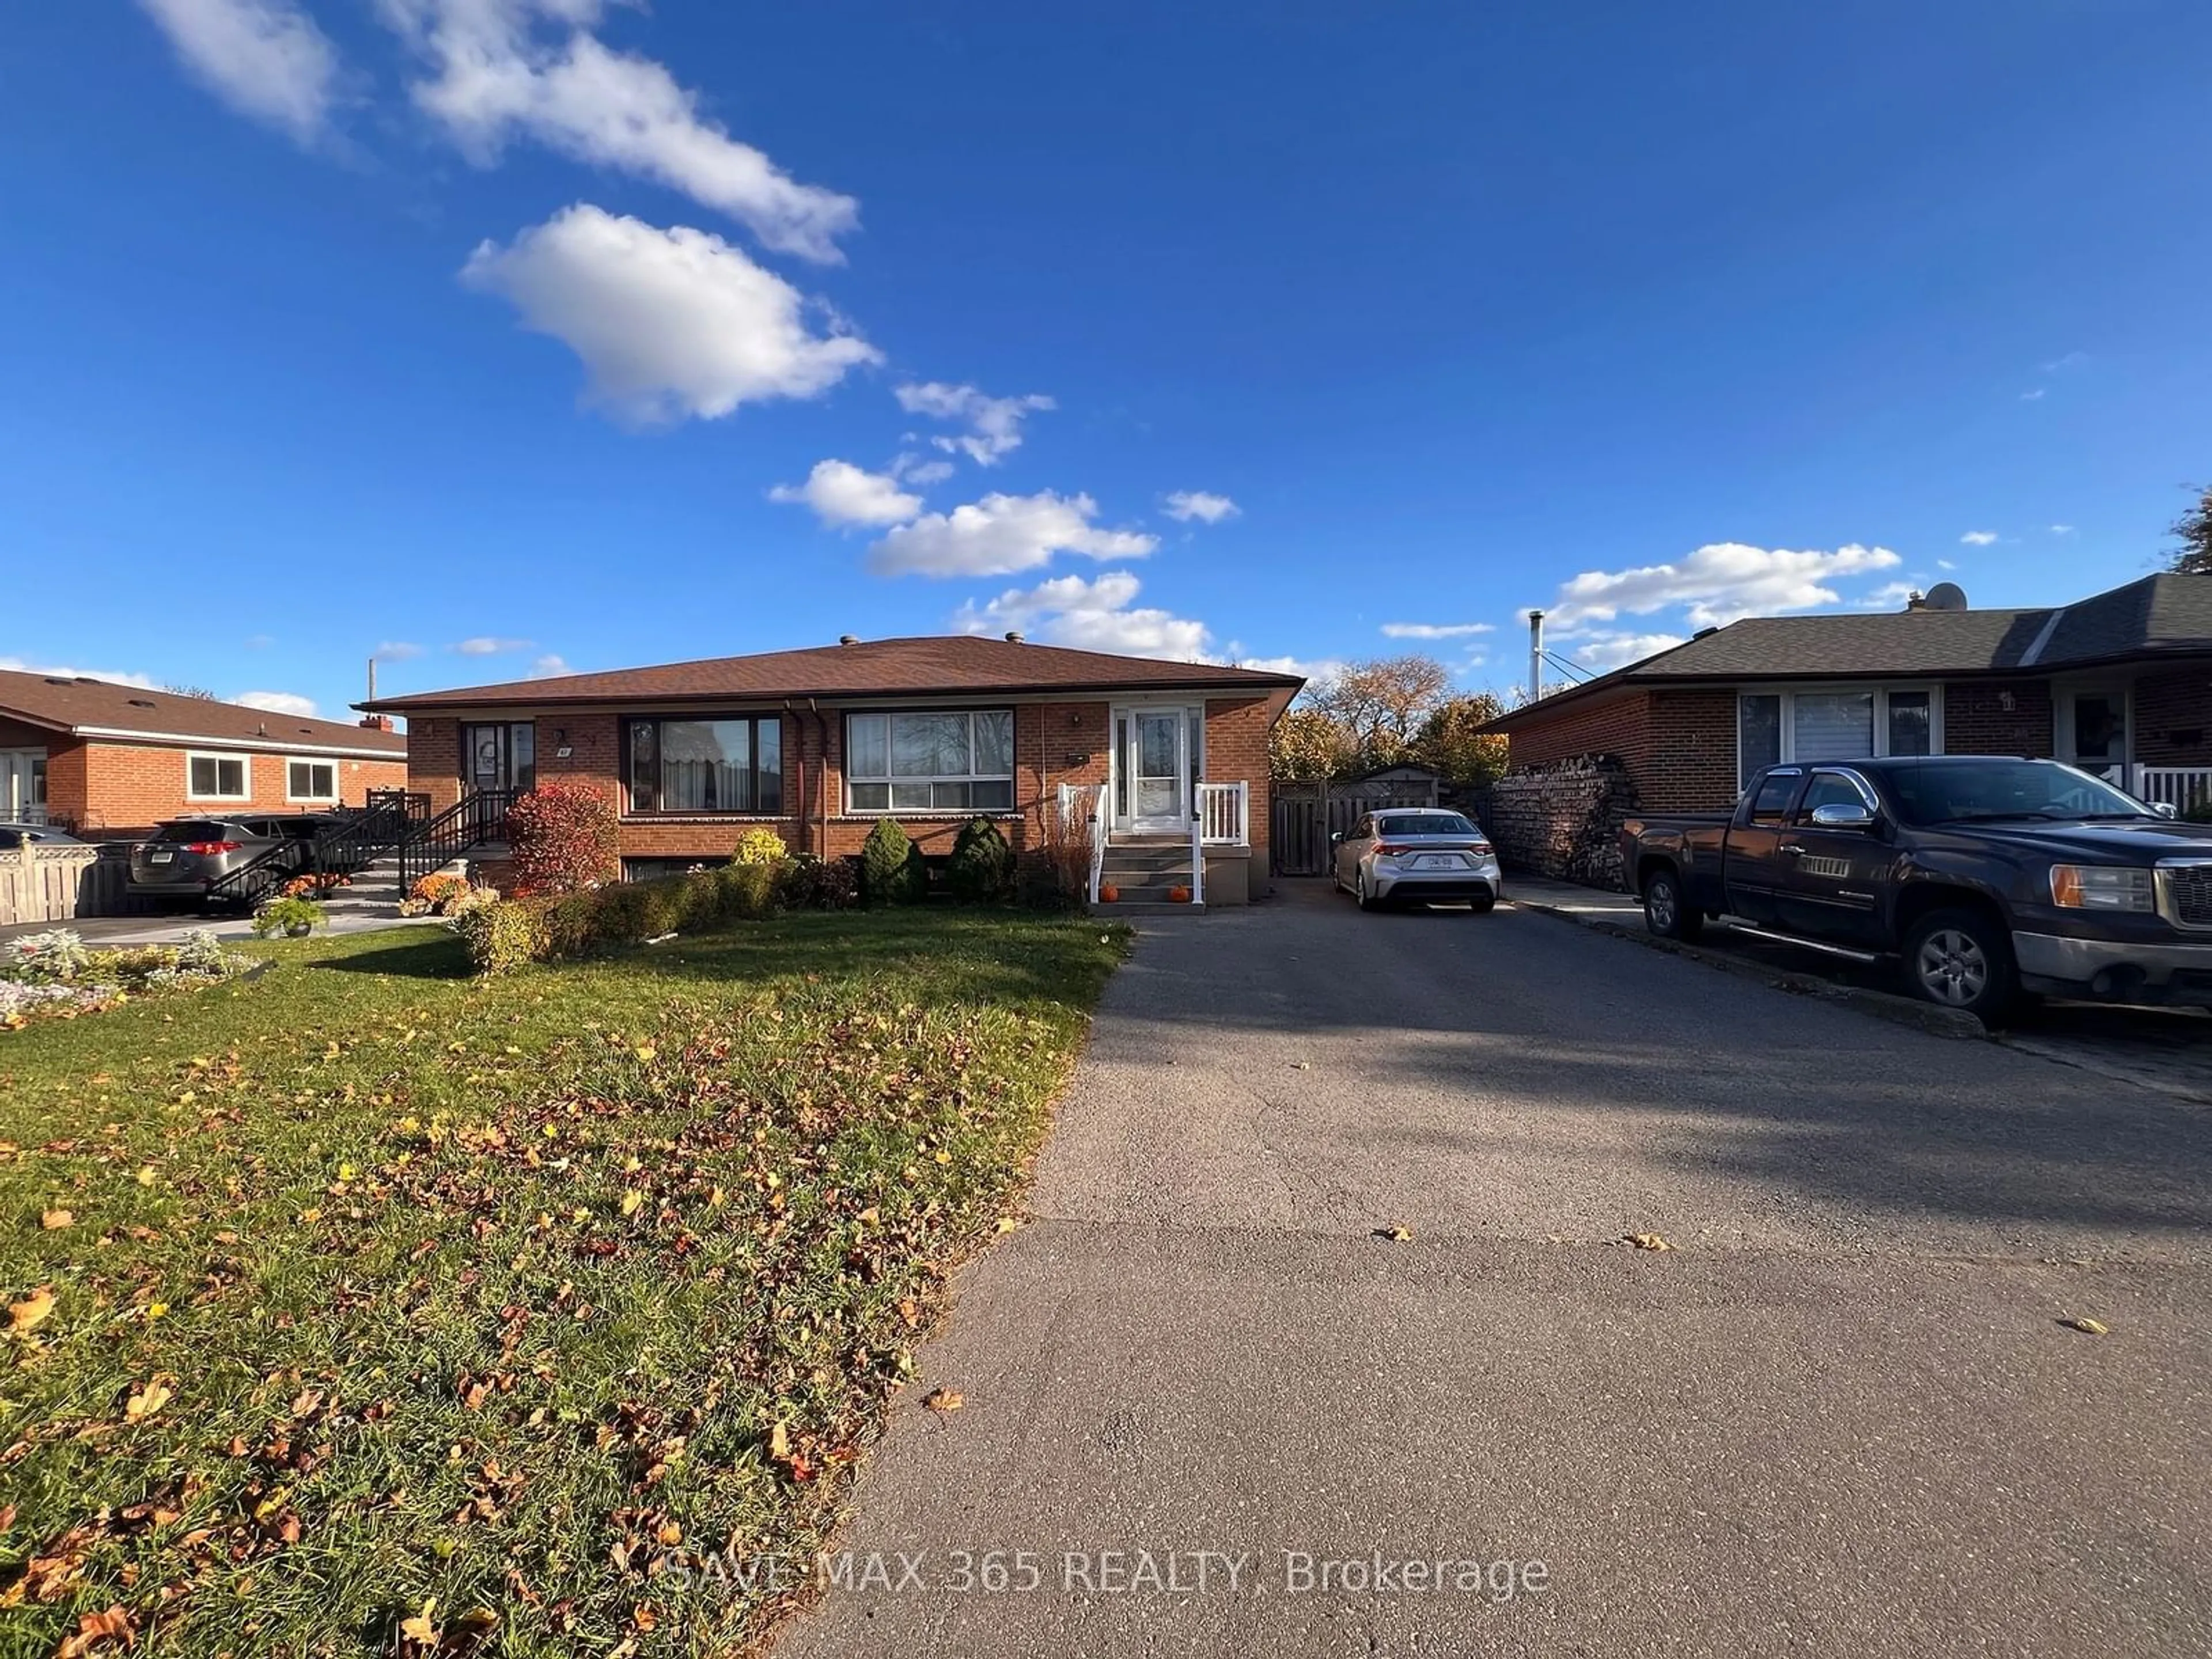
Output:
x,y
499,757
2092,729
22,786
1156,762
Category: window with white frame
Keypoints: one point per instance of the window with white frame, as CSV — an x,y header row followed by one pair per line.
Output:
x,y
934,760
1834,723
218,777
306,779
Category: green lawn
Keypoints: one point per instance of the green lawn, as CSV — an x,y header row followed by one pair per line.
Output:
x,y
382,1288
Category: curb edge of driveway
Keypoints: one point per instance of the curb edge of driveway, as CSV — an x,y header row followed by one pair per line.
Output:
x,y
1953,1023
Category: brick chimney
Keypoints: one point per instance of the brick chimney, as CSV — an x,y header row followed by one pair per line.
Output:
x,y
377,722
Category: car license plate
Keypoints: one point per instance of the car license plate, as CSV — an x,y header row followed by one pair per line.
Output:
x,y
1438,861
159,858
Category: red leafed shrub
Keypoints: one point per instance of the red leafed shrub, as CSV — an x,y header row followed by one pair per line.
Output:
x,y
562,836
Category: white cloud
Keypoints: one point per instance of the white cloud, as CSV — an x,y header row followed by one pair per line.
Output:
x,y
548,665
398,651
842,494
1001,534
669,323
1606,649
486,645
994,423
1718,584
20,666
1888,597
909,468
266,58
1435,630
2034,396
2061,530
1199,504
278,702
1978,539
494,78
1315,670
1090,615
1945,564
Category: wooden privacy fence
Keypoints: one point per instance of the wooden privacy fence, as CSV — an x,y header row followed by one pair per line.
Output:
x,y
59,883
1306,814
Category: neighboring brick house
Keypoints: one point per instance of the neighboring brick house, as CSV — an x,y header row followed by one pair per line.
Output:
x,y
105,760
2119,684
818,743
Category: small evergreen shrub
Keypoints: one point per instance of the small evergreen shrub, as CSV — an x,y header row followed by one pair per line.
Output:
x,y
890,868
749,892
503,935
983,867
562,836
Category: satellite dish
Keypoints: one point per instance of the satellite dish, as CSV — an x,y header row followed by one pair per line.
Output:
x,y
1947,596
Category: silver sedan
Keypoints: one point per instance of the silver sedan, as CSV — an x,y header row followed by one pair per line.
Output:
x,y
1418,854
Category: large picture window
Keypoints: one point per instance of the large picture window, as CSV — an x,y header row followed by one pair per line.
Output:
x,y
1834,724
707,766
311,780
930,761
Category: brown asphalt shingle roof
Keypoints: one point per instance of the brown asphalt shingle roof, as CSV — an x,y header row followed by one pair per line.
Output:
x,y
2163,615
922,666
76,704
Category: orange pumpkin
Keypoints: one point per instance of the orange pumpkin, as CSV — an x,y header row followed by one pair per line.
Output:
x,y
1178,896
1108,893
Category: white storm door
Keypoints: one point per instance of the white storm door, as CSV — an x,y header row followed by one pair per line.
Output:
x,y
1158,766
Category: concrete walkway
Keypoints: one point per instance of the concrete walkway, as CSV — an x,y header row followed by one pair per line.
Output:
x,y
1841,1417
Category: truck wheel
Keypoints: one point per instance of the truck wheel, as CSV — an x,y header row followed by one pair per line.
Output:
x,y
1665,912
1961,959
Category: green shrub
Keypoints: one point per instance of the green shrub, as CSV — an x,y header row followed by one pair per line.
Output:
x,y
760,846
751,892
623,914
506,934
983,867
891,871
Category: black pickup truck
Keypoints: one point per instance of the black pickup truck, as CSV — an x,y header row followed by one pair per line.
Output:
x,y
1983,877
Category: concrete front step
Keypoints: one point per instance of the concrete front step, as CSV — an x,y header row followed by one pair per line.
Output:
x,y
1146,908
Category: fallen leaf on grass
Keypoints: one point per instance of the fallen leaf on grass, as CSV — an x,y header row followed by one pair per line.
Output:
x,y
2087,1327
944,1400
420,1628
30,1312
92,1629
54,1220
1648,1242
145,1401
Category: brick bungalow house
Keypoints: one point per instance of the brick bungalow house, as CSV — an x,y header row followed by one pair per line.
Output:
x,y
818,743
104,760
2119,684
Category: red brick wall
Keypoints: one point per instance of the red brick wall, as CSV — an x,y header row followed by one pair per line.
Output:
x,y
2173,717
123,789
1055,743
1976,720
1688,763
1619,725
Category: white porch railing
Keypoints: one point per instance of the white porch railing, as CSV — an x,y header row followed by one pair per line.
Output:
x,y
1197,862
1224,814
2177,786
1100,808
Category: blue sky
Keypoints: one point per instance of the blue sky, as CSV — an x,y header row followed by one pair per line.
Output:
x,y
507,336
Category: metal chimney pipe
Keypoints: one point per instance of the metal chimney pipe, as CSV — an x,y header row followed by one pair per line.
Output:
x,y
1535,655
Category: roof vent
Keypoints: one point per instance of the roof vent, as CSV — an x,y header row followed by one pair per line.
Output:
x,y
1946,596
848,639
141,703
1013,638
1703,632
59,679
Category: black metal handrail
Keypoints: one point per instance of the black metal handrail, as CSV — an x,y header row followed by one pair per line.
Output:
x,y
433,843
340,849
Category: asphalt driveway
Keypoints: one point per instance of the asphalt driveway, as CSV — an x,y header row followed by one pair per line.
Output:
x,y
1841,1417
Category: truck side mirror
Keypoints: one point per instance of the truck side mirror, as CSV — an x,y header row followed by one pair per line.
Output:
x,y
2165,808
1841,815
